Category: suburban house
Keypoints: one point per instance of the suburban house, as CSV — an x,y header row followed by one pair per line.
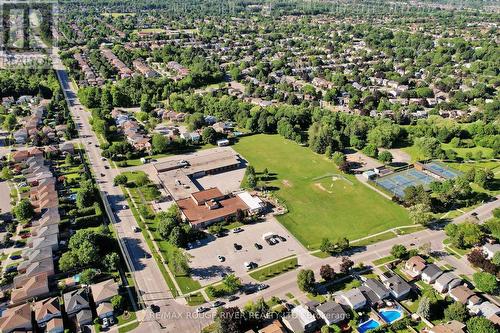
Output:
x,y
431,273
490,311
461,294
446,282
274,327
104,291
104,310
414,266
33,287
353,298
84,317
16,319
490,250
378,288
331,312
398,287
76,301
300,320
449,327
47,309
55,325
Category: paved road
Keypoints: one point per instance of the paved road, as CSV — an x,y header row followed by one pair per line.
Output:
x,y
150,283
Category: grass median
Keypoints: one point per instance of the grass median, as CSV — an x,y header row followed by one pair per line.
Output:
x,y
275,269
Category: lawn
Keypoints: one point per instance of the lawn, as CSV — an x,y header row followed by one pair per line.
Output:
x,y
326,207
273,270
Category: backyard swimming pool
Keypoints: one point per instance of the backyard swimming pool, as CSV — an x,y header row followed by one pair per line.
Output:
x,y
390,316
368,325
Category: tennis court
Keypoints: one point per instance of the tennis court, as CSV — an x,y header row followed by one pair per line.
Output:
x,y
396,183
442,170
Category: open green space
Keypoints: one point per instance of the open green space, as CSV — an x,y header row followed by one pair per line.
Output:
x,y
318,207
195,299
273,270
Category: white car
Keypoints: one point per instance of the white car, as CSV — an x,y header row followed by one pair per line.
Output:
x,y
105,323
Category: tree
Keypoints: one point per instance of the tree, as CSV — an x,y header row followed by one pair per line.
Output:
x,y
86,194
6,173
496,259
159,143
88,275
385,156
117,302
165,226
177,236
480,325
486,282
209,135
456,311
87,253
345,265
9,122
306,280
232,283
419,214
338,158
424,307
371,150
68,261
179,261
252,181
228,320
196,121
111,261
399,251
120,179
327,272
24,210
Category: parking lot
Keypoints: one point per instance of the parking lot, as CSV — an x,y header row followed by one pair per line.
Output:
x,y
206,267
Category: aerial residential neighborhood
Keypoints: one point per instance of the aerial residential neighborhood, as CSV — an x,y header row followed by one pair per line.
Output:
x,y
250,166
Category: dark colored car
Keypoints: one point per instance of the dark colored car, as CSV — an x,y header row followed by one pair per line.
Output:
x,y
11,269
258,246
15,257
281,238
237,246
232,298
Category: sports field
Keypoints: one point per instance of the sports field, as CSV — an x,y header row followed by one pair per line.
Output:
x,y
320,204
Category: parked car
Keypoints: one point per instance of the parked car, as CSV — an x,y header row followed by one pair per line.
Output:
x,y
15,257
250,265
201,309
105,323
237,230
237,246
216,304
136,229
262,286
111,320
11,269
257,246
232,298
221,258
281,238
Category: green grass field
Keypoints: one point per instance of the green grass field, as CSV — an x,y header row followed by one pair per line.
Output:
x,y
327,207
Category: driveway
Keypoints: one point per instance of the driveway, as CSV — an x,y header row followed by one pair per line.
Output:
x,y
5,197
206,268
